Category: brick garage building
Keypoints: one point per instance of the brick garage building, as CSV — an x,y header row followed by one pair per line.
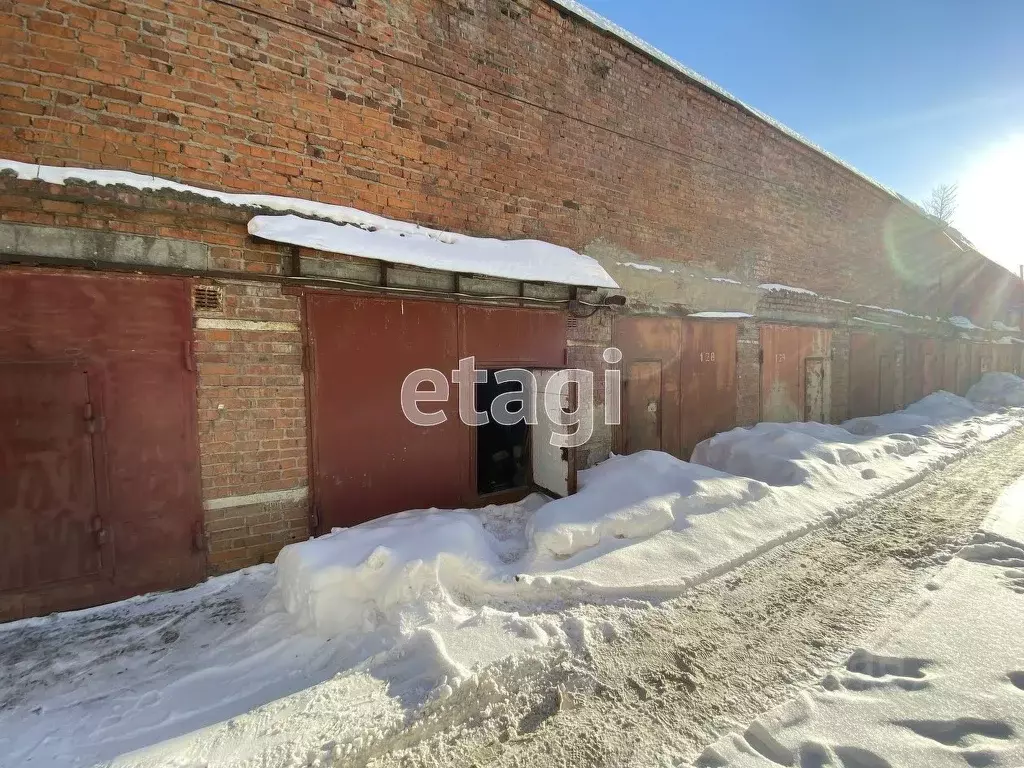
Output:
x,y
492,118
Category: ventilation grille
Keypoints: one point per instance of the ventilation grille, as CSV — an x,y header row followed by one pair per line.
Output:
x,y
572,322
208,298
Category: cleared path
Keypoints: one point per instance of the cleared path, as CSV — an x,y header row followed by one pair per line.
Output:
x,y
694,668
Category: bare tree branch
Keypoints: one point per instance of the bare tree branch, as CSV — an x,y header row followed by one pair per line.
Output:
x,y
942,203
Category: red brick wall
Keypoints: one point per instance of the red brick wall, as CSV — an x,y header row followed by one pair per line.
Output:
x,y
252,422
497,117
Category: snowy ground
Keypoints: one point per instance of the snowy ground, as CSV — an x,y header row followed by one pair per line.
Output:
x,y
468,636
942,686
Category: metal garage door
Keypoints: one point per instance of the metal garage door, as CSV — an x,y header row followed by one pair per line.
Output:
x,y
794,359
100,492
369,460
679,382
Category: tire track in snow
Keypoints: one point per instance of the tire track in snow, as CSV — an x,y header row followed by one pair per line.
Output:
x,y
675,677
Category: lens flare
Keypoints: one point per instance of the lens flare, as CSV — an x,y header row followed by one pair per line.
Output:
x,y
991,202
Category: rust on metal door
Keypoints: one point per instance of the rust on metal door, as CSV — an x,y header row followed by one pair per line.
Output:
x,y
886,383
950,360
679,382
922,368
98,422
48,507
649,344
1003,357
643,411
784,350
369,459
980,363
817,397
708,381
511,336
864,378
964,365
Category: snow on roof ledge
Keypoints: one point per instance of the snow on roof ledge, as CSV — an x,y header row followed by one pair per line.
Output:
x,y
530,260
358,233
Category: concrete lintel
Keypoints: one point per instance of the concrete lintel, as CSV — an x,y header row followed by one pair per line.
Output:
x,y
71,243
220,324
270,497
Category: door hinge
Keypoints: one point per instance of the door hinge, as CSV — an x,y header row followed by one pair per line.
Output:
x,y
314,520
187,351
760,356
99,532
198,537
93,422
307,358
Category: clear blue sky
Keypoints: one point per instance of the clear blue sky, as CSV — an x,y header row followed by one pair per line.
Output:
x,y
908,91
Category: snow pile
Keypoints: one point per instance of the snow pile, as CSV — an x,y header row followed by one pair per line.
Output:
x,y
942,685
809,454
998,389
350,579
939,416
644,526
634,497
641,267
358,233
723,315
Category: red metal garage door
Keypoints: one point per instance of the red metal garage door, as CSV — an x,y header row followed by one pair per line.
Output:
x,y
98,449
369,460
708,360
789,353
650,384
922,368
48,503
679,382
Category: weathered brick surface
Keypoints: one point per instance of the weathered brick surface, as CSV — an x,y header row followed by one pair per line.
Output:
x,y
748,374
252,422
840,375
496,117
252,408
254,533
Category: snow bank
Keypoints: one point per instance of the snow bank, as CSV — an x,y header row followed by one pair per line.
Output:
x,y
965,323
1006,520
354,578
645,526
798,454
641,267
633,497
998,389
358,233
924,418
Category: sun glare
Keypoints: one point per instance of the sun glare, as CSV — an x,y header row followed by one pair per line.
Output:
x,y
991,202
